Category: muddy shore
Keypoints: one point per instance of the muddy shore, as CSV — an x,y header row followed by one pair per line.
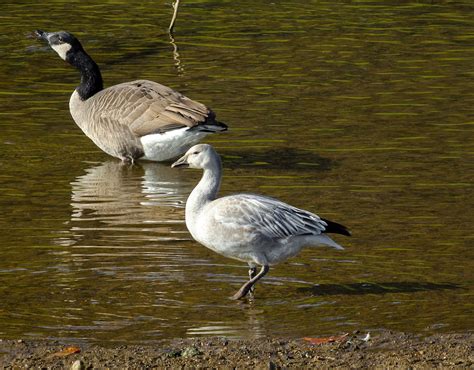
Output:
x,y
381,350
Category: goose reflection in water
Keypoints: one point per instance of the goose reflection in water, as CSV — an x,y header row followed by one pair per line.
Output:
x,y
141,200
125,253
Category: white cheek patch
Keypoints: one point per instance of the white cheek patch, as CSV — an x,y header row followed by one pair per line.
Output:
x,y
61,49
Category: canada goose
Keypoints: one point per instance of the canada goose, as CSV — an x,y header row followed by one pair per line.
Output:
x,y
247,227
133,120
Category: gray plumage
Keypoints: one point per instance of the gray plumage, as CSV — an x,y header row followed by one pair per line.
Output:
x,y
251,228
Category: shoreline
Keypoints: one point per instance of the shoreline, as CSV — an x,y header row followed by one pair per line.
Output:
x,y
384,349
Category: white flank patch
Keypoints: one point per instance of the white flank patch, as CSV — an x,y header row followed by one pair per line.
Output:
x,y
169,145
61,49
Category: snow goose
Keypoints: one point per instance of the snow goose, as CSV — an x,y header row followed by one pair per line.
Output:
x,y
133,120
256,229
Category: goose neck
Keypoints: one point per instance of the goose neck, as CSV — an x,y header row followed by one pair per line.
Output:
x,y
205,191
208,187
91,78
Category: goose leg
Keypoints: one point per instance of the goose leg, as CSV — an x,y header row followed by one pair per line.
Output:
x,y
128,160
244,289
252,274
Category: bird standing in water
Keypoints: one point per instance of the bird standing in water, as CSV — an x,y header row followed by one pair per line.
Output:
x,y
259,230
133,120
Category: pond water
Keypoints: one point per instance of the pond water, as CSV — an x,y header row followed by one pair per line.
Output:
x,y
359,111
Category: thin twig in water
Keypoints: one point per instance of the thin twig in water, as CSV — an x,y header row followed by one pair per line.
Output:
x,y
175,14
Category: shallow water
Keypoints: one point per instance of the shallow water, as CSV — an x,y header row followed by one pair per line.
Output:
x,y
360,111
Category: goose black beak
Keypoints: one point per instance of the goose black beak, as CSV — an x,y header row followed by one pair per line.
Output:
x,y
41,35
180,163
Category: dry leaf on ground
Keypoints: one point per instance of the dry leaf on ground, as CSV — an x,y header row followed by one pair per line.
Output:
x,y
66,352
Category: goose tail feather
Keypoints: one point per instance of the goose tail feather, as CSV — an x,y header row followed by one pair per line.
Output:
x,y
335,228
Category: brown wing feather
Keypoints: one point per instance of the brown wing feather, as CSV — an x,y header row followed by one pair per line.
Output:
x,y
147,107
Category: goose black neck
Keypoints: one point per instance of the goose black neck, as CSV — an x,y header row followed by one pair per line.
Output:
x,y
91,79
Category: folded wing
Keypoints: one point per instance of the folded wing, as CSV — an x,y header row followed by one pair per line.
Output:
x,y
146,107
268,216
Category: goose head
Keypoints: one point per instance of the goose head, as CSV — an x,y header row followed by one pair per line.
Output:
x,y
61,42
201,156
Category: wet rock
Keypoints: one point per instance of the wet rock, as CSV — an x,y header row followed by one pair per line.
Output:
x,y
190,352
272,366
78,365
174,353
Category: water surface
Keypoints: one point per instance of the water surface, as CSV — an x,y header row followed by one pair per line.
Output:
x,y
360,111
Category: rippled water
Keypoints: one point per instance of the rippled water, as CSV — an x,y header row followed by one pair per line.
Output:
x,y
360,111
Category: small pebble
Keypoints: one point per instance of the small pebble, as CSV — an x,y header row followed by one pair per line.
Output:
x,y
190,352
174,353
78,365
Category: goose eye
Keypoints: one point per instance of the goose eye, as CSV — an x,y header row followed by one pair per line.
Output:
x,y
196,153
